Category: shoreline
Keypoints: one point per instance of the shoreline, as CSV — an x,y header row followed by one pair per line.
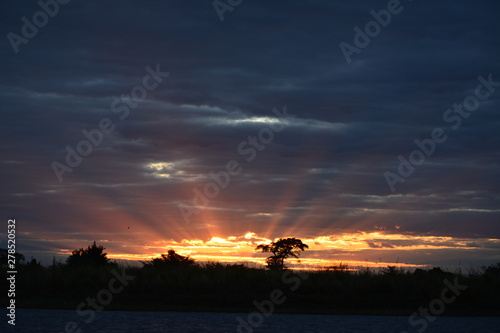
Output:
x,y
35,305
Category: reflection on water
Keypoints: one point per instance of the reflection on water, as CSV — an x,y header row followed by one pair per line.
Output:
x,y
44,321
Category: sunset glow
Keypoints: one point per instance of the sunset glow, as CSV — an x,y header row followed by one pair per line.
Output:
x,y
373,249
211,137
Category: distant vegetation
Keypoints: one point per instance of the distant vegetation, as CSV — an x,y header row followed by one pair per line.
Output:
x,y
169,260
93,255
176,282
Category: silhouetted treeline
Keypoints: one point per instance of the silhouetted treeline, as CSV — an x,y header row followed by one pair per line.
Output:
x,y
223,287
174,282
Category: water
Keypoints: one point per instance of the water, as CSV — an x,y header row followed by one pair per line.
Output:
x,y
54,321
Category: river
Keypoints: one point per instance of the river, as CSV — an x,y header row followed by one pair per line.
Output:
x,y
58,321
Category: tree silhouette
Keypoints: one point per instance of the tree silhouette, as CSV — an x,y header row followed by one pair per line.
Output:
x,y
170,259
281,250
93,255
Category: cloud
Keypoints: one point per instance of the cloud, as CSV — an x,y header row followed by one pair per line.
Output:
x,y
321,176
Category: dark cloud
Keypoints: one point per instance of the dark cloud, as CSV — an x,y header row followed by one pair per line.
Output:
x,y
322,174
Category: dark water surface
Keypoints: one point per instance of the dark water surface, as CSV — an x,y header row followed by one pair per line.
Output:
x,y
43,321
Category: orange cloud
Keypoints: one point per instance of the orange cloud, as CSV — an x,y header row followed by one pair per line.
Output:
x,y
376,249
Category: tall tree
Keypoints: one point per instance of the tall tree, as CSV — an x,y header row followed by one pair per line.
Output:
x,y
282,249
93,255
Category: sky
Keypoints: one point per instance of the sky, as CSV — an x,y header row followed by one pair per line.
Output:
x,y
368,129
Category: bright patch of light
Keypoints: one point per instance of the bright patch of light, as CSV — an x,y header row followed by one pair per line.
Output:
x,y
249,120
161,166
163,175
250,235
